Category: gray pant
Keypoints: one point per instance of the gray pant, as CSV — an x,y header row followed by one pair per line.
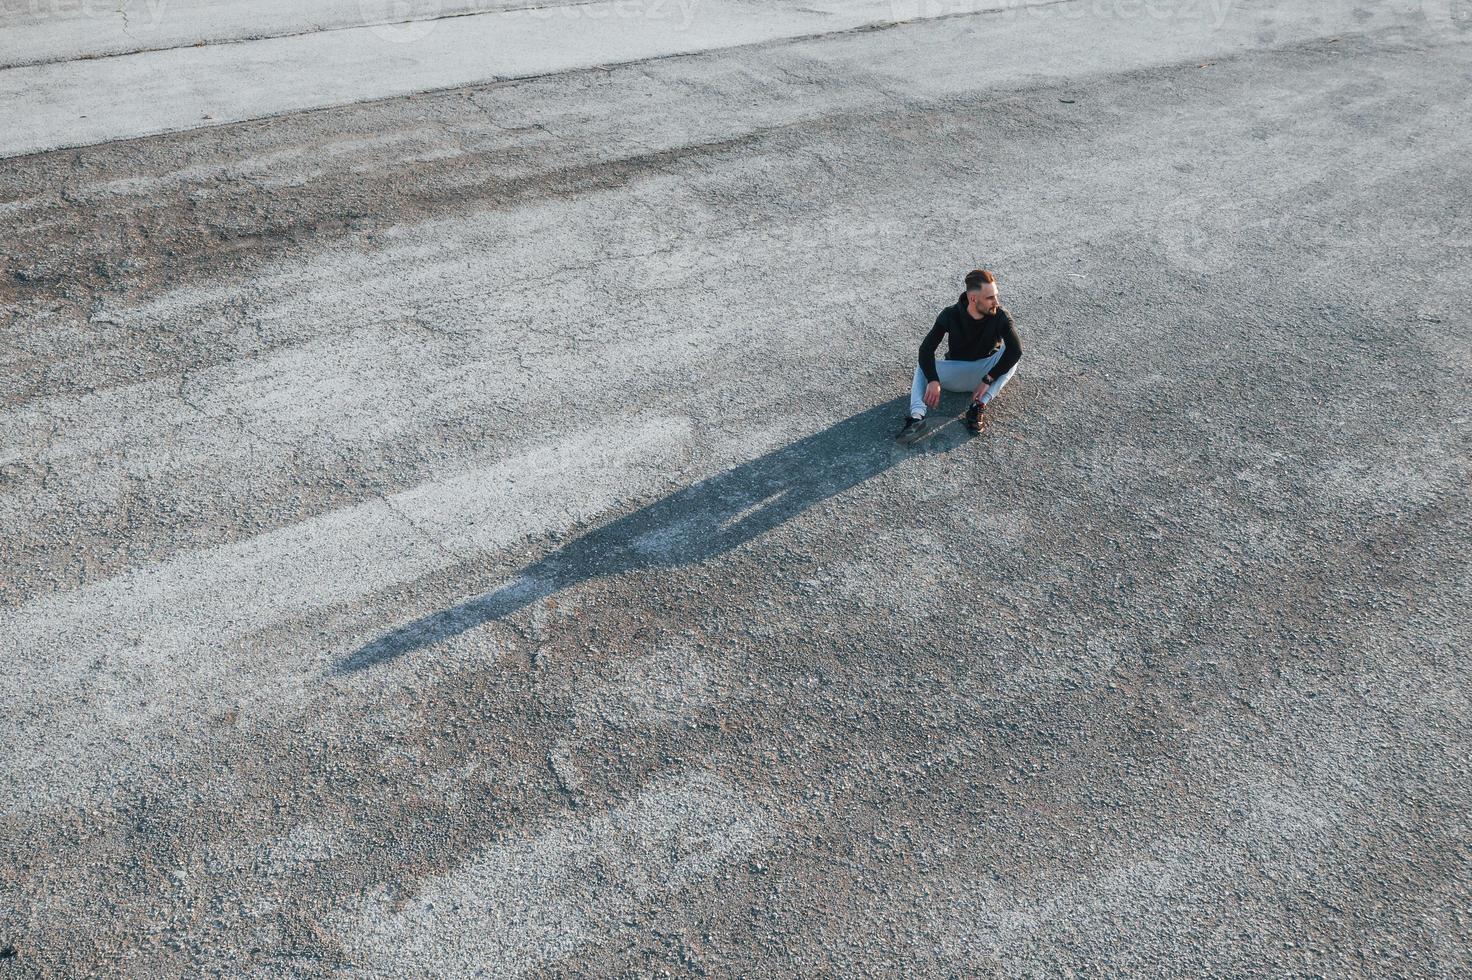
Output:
x,y
960,376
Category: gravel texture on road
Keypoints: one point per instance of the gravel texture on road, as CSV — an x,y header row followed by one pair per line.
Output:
x,y
461,534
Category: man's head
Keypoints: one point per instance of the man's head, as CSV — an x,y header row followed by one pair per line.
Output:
x,y
981,292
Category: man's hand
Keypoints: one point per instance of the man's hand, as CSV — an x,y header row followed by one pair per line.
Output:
x,y
932,394
980,393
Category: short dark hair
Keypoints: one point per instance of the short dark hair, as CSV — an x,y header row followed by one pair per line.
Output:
x,y
976,277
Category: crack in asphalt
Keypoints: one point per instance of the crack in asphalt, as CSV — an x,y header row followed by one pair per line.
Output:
x,y
423,532
226,416
123,12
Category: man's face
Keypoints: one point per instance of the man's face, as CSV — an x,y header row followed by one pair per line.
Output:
x,y
983,299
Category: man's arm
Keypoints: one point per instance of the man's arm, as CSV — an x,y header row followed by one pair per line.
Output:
x,y
929,344
1011,355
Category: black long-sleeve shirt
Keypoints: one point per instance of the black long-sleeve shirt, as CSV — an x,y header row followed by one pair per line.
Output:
x,y
971,339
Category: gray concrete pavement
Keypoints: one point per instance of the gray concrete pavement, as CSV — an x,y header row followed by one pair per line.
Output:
x,y
51,31
459,534
287,57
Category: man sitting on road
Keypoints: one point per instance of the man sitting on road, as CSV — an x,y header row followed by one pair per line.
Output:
x,y
981,357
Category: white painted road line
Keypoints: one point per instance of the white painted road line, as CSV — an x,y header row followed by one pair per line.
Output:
x,y
518,906
99,669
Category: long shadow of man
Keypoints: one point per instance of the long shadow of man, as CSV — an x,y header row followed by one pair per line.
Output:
x,y
690,525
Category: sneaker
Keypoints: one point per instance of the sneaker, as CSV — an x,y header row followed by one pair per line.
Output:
x,y
912,430
976,417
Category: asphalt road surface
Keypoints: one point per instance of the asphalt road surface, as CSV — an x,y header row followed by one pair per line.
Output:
x,y
460,534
